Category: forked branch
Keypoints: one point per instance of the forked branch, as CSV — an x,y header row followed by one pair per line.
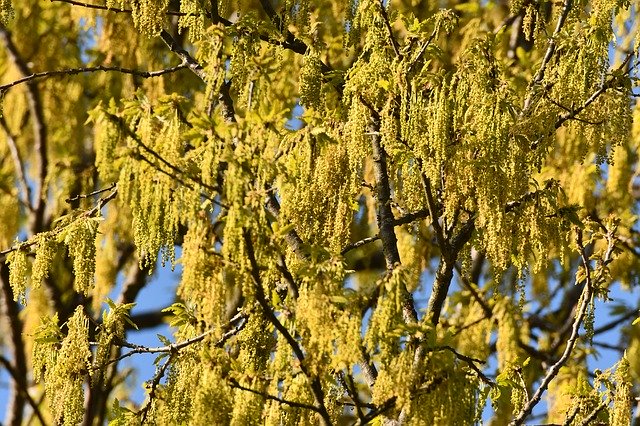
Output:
x,y
585,300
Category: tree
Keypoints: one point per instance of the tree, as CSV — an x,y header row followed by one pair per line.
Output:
x,y
318,169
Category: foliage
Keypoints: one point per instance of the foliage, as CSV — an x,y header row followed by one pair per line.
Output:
x,y
266,146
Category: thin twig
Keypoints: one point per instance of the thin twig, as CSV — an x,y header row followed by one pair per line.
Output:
x,y
101,203
316,387
358,244
566,7
571,111
410,217
175,347
608,84
178,172
154,386
471,362
83,70
116,9
587,420
585,299
89,213
290,43
433,212
348,384
387,24
91,194
474,293
613,324
234,384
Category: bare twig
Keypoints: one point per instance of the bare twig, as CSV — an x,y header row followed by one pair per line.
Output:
x,y
113,9
234,384
160,371
175,347
91,194
82,70
471,362
358,244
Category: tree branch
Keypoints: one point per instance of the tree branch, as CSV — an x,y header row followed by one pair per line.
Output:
x,y
291,237
387,25
471,362
384,214
187,59
358,244
175,347
89,213
36,219
160,371
551,48
83,70
234,384
610,83
348,384
316,387
24,391
18,165
91,194
587,294
113,9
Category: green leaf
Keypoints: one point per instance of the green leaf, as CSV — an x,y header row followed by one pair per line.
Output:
x,y
164,340
160,357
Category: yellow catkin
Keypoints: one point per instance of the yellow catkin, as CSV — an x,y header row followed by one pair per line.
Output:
x,y
80,238
64,380
620,414
18,273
